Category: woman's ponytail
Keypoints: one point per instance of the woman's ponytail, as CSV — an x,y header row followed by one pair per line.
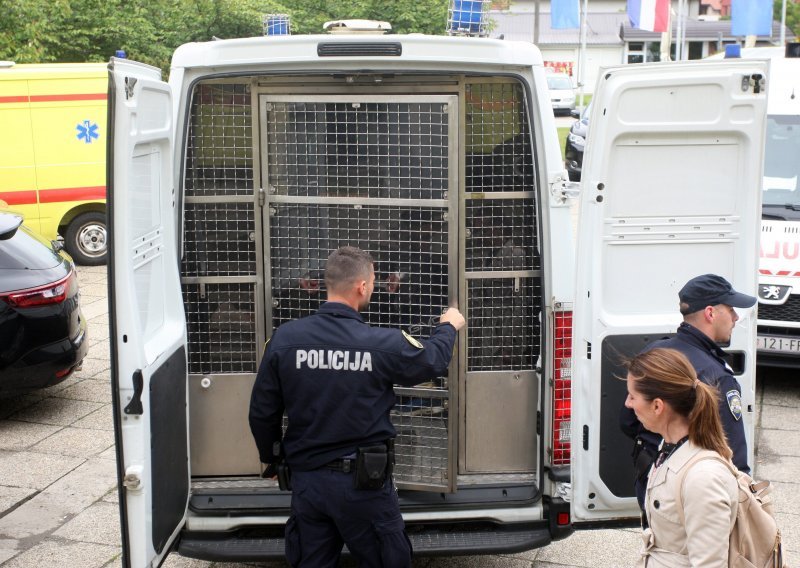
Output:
x,y
705,427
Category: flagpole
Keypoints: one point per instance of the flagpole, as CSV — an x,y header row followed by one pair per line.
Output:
x,y
582,51
783,24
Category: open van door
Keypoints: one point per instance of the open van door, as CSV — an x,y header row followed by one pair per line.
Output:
x,y
148,332
670,190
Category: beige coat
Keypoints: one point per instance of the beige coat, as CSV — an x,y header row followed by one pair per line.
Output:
x,y
710,495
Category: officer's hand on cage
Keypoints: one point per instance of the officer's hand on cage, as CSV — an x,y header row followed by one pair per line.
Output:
x,y
453,317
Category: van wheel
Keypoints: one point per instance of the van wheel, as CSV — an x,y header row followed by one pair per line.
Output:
x,y
85,239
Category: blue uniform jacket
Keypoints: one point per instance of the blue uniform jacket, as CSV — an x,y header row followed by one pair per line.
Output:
x,y
333,374
706,358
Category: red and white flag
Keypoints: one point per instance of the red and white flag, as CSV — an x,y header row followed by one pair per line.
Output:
x,y
650,15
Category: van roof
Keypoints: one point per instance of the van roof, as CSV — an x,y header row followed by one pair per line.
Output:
x,y
301,51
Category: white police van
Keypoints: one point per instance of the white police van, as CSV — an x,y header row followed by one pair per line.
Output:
x,y
230,185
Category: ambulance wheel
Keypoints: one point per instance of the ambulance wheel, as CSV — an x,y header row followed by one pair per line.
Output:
x,y
85,239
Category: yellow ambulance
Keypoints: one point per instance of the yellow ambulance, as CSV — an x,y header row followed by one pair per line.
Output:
x,y
53,152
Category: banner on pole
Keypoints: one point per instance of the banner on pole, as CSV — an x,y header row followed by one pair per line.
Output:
x,y
649,15
564,14
751,17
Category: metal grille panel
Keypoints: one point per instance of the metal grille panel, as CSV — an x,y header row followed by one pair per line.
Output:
x,y
497,137
409,245
501,235
219,240
219,160
220,319
421,450
502,327
368,149
790,311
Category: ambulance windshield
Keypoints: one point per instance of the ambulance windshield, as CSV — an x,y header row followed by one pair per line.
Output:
x,y
781,166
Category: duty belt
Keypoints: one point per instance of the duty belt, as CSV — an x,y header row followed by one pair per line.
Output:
x,y
345,465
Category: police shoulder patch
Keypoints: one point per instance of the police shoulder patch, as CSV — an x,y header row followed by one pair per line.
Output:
x,y
734,403
413,341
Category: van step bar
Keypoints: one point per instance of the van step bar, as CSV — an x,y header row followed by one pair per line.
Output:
x,y
428,540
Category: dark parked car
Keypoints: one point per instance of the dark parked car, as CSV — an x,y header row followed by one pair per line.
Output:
x,y
42,331
576,140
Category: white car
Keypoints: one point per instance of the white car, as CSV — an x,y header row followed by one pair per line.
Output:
x,y
562,93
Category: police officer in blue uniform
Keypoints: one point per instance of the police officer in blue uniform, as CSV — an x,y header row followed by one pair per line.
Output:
x,y
706,303
333,374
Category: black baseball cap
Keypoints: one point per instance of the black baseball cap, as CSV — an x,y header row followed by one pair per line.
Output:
x,y
710,290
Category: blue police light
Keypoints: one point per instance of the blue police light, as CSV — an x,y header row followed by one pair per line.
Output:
x,y
733,51
276,24
467,17
120,53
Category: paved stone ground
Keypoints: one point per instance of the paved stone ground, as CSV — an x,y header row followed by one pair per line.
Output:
x,y
58,499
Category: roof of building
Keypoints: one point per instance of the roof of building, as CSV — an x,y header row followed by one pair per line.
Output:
x,y
699,30
610,29
602,29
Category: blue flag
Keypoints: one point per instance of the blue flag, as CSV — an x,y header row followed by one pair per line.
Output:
x,y
751,17
564,14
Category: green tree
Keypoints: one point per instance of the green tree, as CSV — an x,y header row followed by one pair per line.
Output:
x,y
41,31
792,14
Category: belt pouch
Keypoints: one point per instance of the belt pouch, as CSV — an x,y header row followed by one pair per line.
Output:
x,y
284,477
371,467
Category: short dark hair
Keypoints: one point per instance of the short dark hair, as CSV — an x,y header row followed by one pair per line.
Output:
x,y
345,266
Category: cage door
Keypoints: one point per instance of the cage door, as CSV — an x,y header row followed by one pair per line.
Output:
x,y
374,172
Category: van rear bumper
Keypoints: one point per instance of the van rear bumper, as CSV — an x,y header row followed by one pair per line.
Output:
x,y
254,545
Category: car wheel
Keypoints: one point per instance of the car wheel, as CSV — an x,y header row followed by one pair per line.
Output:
x,y
86,239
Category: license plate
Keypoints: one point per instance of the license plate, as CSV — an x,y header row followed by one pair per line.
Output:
x,y
778,344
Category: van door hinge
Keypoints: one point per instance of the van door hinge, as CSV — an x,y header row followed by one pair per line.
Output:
x,y
754,81
261,197
538,423
564,190
130,83
585,437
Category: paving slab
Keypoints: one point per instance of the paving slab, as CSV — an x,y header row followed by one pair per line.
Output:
x,y
102,419
52,553
93,366
17,435
58,411
10,406
778,442
87,483
40,516
783,391
80,442
12,497
33,469
90,390
786,497
776,417
98,524
606,548
779,468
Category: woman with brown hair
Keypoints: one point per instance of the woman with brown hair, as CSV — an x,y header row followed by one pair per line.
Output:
x,y
667,397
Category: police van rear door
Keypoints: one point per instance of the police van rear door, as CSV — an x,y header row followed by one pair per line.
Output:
x,y
670,190
148,343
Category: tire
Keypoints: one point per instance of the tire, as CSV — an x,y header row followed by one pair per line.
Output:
x,y
86,239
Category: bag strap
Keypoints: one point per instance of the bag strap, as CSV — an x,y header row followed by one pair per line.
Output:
x,y
698,457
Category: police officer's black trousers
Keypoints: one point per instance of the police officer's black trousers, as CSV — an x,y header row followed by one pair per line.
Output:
x,y
328,512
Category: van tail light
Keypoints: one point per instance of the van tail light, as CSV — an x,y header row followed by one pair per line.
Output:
x,y
562,384
54,293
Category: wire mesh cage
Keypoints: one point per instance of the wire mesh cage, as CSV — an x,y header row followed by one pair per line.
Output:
x,y
276,24
468,17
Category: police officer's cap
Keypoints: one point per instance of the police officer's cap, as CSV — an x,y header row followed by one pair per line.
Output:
x,y
710,290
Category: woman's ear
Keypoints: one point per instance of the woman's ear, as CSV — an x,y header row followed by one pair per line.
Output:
x,y
658,405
